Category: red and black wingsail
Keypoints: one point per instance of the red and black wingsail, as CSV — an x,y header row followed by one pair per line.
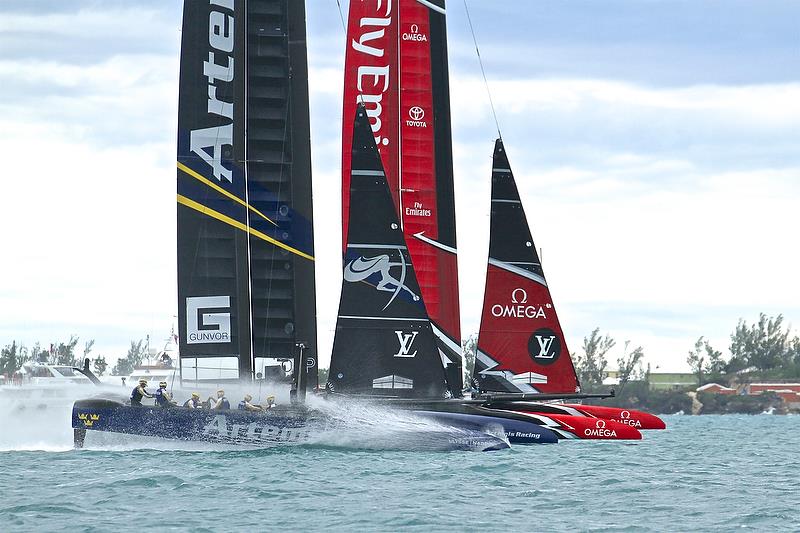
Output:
x,y
384,342
396,64
521,347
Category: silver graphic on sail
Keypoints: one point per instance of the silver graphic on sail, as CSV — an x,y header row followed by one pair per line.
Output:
x,y
362,268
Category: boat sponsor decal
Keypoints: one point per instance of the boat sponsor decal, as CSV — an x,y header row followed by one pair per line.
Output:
x,y
406,342
600,430
416,115
625,418
414,34
219,428
88,419
373,80
203,327
361,268
208,143
544,346
418,210
519,307
371,77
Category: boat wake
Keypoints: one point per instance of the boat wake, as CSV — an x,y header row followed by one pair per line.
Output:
x,y
355,424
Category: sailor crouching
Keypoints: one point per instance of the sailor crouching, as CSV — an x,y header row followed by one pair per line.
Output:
x,y
163,398
246,405
270,403
139,392
193,402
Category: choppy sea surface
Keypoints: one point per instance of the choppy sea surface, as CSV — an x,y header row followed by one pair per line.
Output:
x,y
706,473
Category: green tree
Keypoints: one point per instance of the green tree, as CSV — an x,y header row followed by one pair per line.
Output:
x,y
762,346
591,366
100,365
38,354
9,359
122,367
469,348
630,365
65,352
697,360
323,376
136,353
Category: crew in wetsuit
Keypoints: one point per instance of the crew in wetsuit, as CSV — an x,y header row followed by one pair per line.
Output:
x,y
139,392
221,403
163,398
193,402
245,404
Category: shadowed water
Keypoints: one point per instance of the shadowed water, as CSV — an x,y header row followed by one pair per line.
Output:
x,y
710,473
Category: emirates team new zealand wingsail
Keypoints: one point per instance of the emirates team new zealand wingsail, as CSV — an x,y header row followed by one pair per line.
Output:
x,y
384,342
385,348
396,64
521,346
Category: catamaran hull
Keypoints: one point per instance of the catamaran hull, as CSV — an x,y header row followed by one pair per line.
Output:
x,y
516,431
233,427
521,423
629,417
280,426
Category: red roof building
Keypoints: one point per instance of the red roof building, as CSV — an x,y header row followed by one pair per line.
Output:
x,y
716,388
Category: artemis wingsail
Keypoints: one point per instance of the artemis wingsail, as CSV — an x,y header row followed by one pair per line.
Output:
x,y
246,288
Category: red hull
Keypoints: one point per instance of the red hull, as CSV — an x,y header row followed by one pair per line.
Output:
x,y
586,428
629,417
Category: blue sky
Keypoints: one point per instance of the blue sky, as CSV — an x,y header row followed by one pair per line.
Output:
x,y
656,144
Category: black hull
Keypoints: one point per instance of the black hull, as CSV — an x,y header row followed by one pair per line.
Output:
x,y
278,426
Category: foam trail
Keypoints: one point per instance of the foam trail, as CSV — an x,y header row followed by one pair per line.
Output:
x,y
355,424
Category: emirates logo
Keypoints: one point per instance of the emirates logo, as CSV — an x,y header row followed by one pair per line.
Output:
x,y
416,113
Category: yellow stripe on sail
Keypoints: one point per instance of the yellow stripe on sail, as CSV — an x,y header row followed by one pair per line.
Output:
x,y
202,179
236,224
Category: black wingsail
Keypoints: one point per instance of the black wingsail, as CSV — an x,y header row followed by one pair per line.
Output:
x,y
384,343
245,244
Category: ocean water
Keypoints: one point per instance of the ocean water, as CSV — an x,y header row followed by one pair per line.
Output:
x,y
708,473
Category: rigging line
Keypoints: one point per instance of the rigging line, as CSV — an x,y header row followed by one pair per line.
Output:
x,y
341,18
483,72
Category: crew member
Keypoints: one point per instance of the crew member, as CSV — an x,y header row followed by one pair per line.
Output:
x,y
163,398
139,392
221,403
193,402
246,405
270,403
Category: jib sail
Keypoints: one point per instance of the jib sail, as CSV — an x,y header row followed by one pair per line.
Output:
x,y
384,343
245,243
521,347
396,63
